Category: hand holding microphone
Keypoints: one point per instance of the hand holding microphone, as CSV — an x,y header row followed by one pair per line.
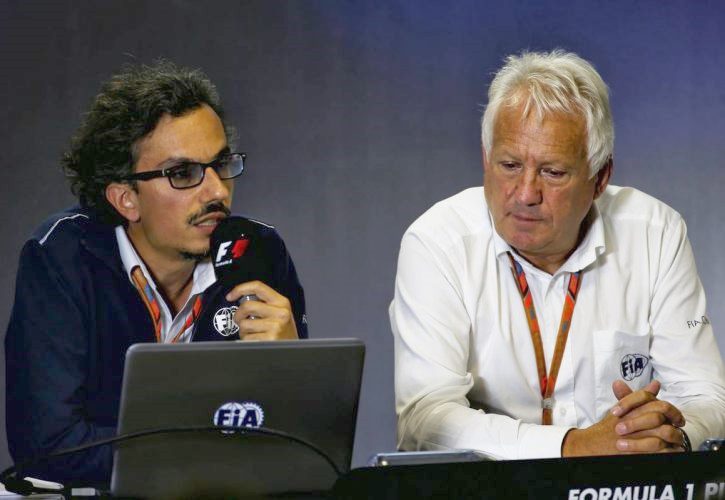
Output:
x,y
241,262
268,318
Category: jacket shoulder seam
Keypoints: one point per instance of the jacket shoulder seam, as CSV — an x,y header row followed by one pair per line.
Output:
x,y
42,240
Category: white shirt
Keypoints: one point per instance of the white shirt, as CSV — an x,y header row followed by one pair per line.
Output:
x,y
203,278
465,370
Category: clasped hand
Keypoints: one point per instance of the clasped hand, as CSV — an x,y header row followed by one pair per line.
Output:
x,y
638,423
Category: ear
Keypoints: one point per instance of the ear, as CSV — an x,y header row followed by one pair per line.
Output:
x,y
124,199
603,176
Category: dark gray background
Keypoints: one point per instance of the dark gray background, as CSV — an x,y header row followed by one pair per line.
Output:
x,y
357,116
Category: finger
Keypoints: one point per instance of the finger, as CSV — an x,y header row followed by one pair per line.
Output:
x,y
663,450
644,422
644,445
257,325
671,413
255,337
653,387
620,389
276,329
254,329
636,399
262,310
264,292
667,433
632,401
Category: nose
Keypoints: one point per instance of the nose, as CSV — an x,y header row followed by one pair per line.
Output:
x,y
528,191
213,188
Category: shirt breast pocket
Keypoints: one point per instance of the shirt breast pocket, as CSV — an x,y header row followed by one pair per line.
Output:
x,y
619,355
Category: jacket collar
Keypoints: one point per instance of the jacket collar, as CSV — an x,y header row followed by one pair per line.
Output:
x,y
99,240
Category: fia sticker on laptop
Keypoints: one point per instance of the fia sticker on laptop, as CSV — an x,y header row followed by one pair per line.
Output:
x,y
244,414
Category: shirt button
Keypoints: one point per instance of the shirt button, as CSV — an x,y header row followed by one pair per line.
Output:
x,y
562,411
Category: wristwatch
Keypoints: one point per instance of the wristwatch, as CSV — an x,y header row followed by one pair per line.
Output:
x,y
686,444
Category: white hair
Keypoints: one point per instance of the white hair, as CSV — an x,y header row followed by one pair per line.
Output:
x,y
554,82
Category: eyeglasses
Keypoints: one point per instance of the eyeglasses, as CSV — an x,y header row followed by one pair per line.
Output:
x,y
190,174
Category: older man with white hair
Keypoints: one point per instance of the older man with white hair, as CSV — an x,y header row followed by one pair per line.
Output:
x,y
549,313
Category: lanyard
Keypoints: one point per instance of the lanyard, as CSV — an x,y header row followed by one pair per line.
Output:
x,y
546,383
152,305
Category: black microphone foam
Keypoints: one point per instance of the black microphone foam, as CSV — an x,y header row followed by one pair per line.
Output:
x,y
238,252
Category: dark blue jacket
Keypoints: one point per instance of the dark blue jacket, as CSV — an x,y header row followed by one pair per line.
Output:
x,y
75,314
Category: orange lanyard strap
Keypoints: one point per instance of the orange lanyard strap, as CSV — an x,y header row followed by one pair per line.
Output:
x,y
546,383
190,319
152,305
149,299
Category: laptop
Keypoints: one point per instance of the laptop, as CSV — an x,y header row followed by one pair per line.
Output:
x,y
308,389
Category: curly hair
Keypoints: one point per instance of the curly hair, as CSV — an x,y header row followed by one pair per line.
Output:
x,y
127,108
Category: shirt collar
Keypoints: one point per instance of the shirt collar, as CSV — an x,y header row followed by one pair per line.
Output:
x,y
203,272
591,246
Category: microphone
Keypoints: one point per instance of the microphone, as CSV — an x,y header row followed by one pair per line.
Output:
x,y
238,253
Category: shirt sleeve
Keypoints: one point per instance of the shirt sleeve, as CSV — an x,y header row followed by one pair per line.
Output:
x,y
47,357
684,353
432,334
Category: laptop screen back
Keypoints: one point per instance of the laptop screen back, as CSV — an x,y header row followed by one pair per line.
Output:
x,y
306,388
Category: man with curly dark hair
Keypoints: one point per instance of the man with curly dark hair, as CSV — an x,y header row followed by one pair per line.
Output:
x,y
153,168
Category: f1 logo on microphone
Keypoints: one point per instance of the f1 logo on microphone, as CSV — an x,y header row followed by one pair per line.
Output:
x,y
237,250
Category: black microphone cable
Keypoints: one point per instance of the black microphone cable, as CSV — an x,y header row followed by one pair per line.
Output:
x,y
15,484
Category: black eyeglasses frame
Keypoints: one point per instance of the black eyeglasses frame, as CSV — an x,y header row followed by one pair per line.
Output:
x,y
169,171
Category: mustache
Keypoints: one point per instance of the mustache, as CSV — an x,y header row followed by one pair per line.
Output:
x,y
213,207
